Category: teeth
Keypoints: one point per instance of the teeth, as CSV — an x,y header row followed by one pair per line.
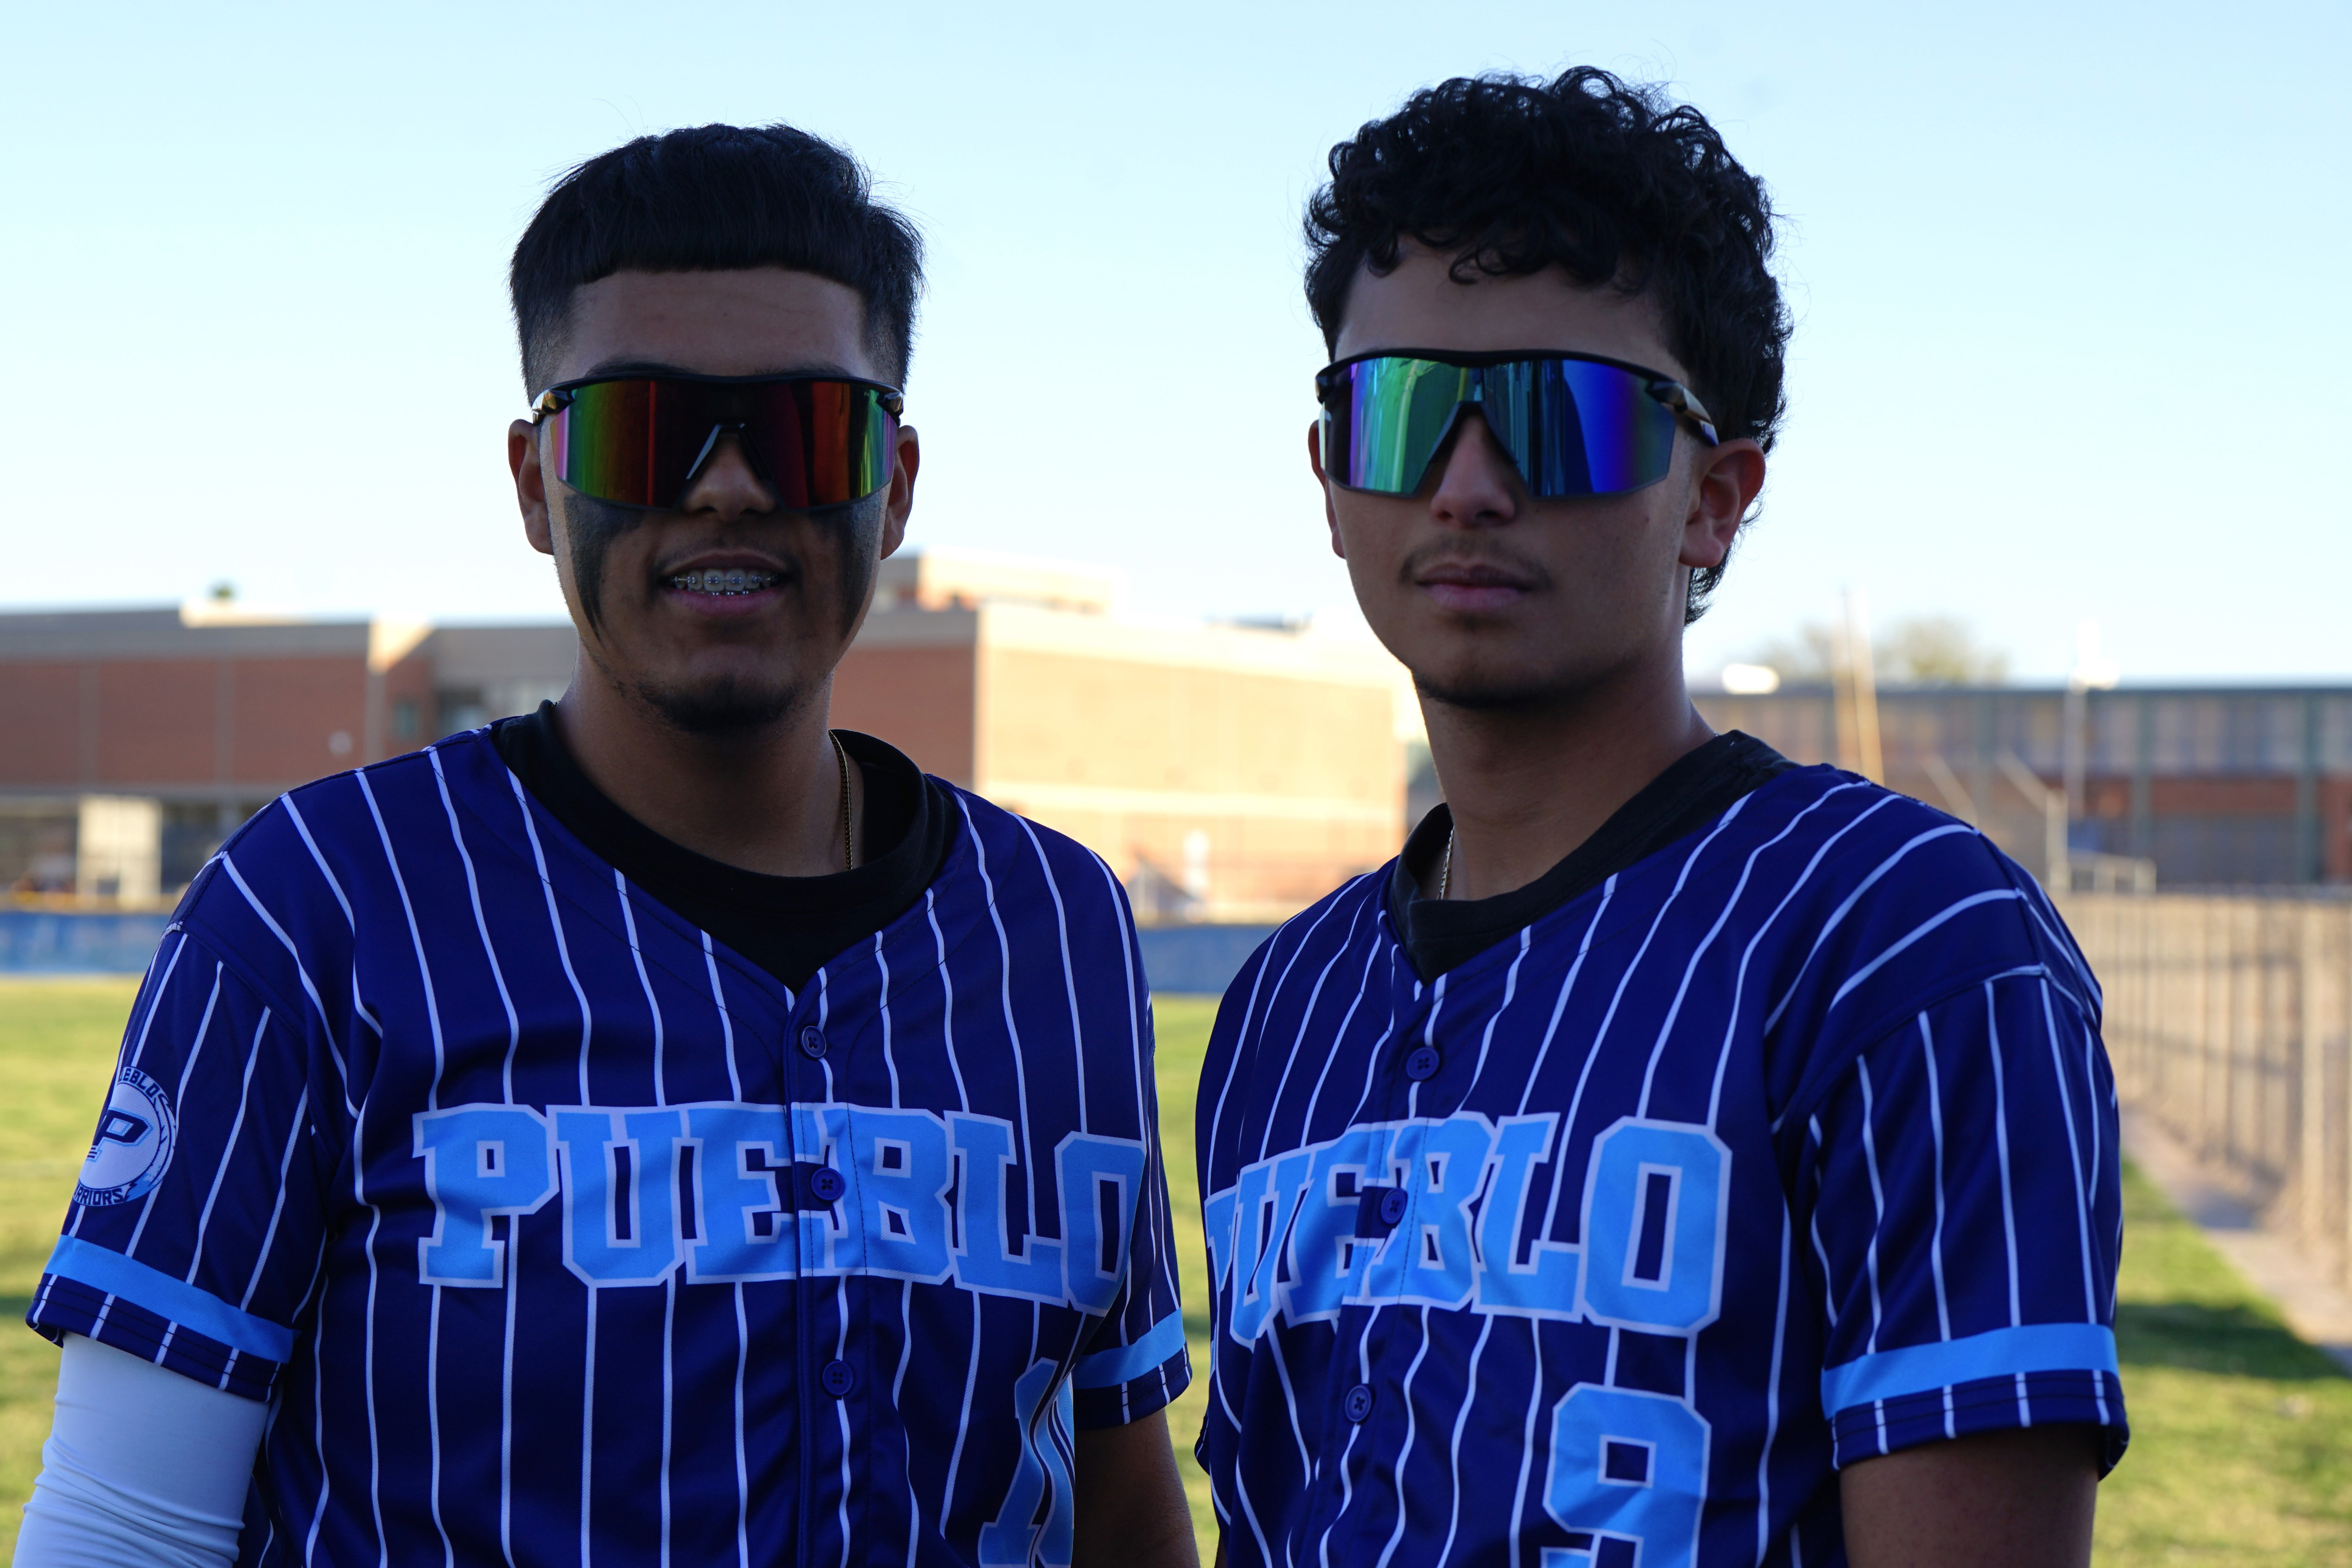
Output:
x,y
723,580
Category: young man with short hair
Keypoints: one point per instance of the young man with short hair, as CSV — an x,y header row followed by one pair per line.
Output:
x,y
1675,1156
658,1128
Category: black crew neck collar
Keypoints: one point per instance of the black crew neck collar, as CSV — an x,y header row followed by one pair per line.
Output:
x,y
788,925
1695,789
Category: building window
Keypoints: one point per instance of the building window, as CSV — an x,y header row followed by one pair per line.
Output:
x,y
404,720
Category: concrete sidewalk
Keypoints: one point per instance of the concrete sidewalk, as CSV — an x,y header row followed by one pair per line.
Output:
x,y
2316,1307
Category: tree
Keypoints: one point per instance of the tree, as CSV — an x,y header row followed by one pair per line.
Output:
x,y
1938,650
1917,650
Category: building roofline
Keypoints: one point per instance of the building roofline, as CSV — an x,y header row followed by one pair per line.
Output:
x,y
1904,693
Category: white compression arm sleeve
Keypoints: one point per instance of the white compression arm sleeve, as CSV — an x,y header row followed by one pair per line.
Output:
x,y
142,1465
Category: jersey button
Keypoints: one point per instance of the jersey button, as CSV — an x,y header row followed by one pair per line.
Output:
x,y
827,1185
837,1378
812,1042
1358,1402
1392,1211
1422,1065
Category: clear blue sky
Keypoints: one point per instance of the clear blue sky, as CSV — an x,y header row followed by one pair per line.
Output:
x,y
2070,283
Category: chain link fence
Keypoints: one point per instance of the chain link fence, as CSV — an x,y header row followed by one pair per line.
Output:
x,y
2229,1019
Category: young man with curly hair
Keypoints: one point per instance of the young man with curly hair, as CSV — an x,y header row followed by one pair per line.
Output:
x,y
1675,1156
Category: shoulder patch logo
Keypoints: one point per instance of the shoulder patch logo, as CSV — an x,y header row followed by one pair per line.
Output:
x,y
133,1143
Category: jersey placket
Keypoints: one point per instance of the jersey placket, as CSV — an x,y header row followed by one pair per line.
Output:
x,y
813,1052
1411,1088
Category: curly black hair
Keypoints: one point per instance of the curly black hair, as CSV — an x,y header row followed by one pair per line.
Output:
x,y
713,198
1608,179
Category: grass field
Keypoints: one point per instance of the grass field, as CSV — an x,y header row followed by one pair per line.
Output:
x,y
2241,1452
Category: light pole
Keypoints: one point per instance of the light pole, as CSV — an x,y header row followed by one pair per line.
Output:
x,y
2091,673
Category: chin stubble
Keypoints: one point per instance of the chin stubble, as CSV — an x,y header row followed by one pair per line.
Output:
x,y
1486,697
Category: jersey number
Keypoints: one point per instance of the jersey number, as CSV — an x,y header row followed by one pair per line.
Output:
x,y
1627,1464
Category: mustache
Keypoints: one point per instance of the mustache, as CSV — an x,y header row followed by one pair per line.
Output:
x,y
1509,564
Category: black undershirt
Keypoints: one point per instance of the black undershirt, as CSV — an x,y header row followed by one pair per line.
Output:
x,y
789,926
1696,788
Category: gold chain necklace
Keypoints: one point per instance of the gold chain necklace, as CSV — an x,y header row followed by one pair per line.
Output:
x,y
848,851
1445,874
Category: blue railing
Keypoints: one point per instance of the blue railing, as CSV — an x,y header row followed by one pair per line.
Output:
x,y
1192,959
60,941
1199,960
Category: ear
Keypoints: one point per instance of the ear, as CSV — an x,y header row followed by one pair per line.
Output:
x,y
530,485
1728,479
908,462
1314,461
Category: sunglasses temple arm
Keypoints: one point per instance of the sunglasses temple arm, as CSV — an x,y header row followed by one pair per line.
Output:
x,y
1684,402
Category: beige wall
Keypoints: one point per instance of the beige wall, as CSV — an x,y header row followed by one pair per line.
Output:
x,y
1255,770
1252,771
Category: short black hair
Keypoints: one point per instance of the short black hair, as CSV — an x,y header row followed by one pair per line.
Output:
x,y
713,199
1610,180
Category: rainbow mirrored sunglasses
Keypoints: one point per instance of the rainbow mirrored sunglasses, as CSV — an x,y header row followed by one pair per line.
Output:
x,y
639,440
1573,425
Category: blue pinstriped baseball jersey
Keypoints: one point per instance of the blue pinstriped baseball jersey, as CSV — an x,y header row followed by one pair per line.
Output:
x,y
1791,1144
562,1235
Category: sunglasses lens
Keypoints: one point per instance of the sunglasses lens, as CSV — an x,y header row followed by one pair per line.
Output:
x,y
821,443
1394,416
1572,427
638,441
629,441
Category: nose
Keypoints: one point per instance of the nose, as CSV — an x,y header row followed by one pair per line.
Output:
x,y
726,484
1477,484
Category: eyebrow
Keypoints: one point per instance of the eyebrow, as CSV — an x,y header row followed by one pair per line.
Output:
x,y
627,366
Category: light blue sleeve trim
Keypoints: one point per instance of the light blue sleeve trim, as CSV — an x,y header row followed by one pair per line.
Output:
x,y
176,1299
1109,1369
1917,1369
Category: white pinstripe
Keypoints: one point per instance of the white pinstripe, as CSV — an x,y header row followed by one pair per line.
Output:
x,y
1004,992
1363,982
726,1022
742,1468
2074,1156
2000,1146
278,1206
1510,990
481,927
1346,1476
301,827
1069,980
905,1353
375,1449
1453,1452
180,1100
1412,1426
1771,1393
1682,989
1829,1278
1735,1012
415,938
1917,933
1528,1439
555,925
1837,916
309,989
220,1172
1877,1210
1935,1128
1306,1018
